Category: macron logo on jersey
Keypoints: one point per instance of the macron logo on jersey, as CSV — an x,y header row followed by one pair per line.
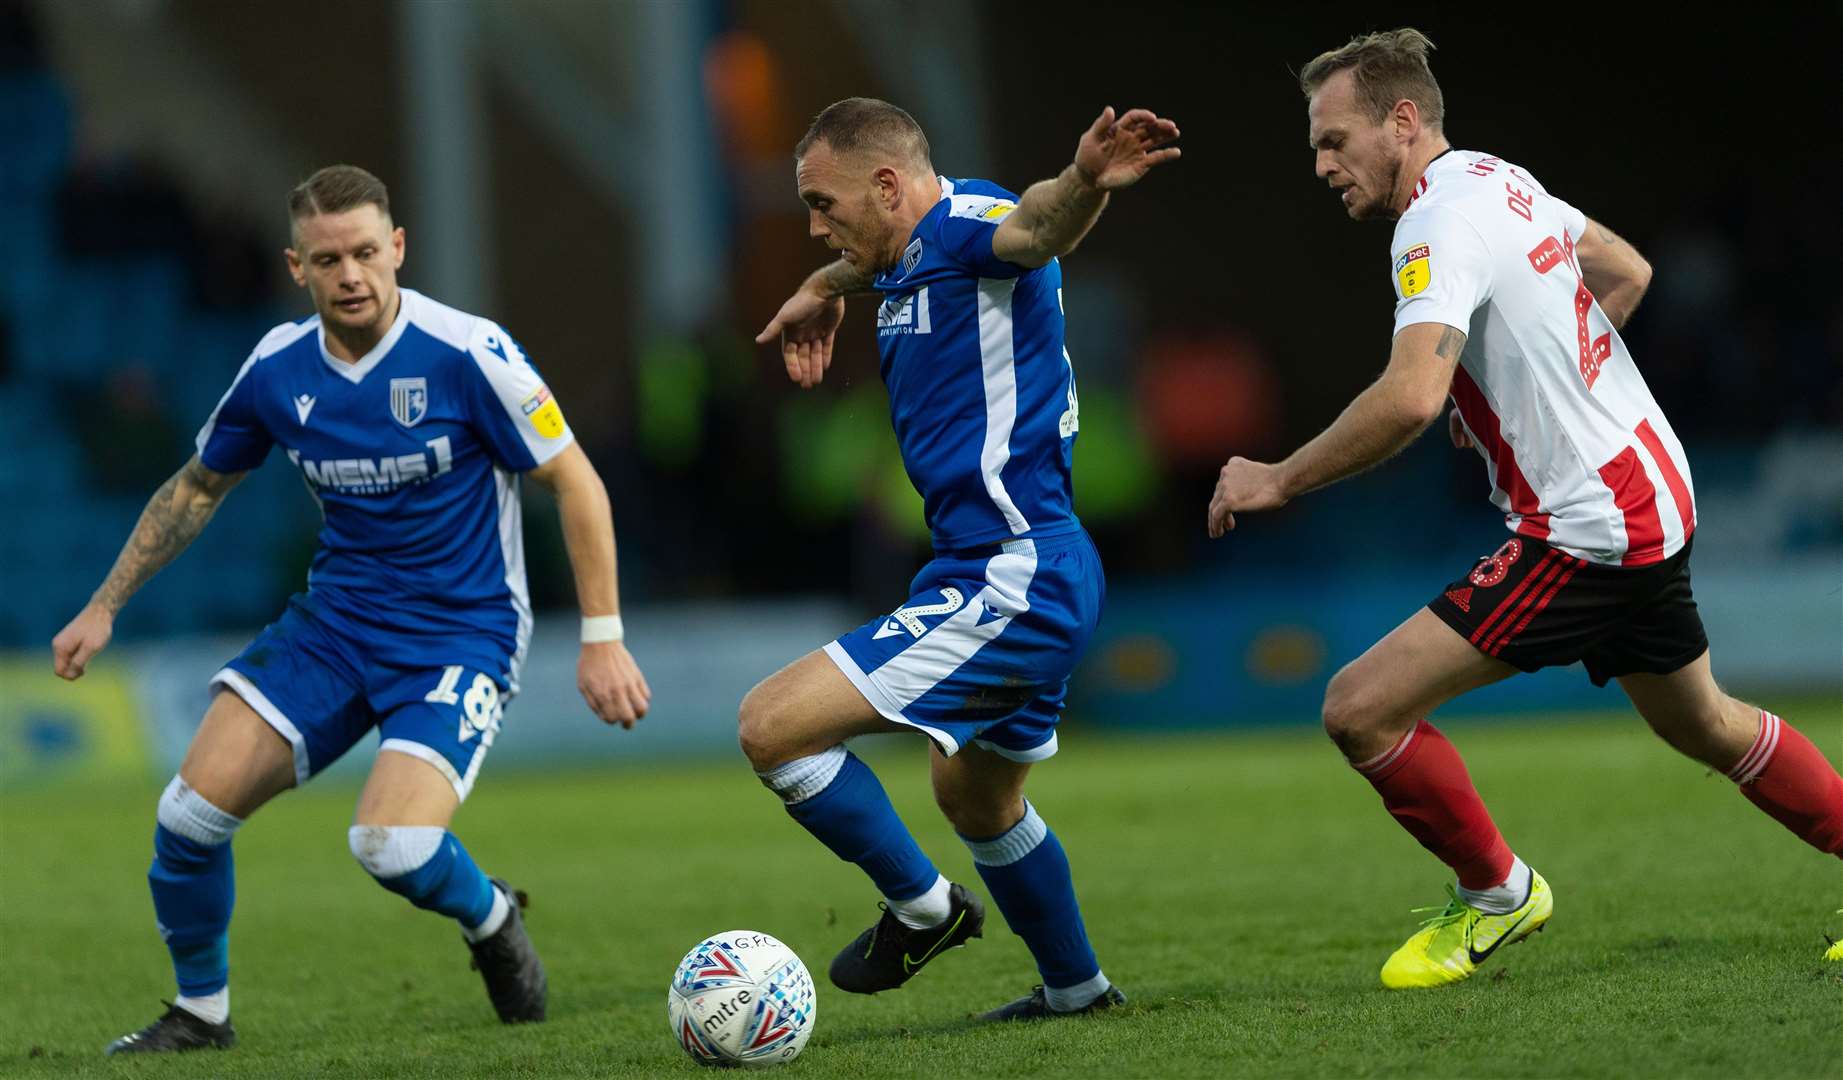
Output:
x,y
377,476
303,404
905,314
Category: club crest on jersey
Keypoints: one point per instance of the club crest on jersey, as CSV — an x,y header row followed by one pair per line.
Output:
x,y
1414,270
409,400
911,256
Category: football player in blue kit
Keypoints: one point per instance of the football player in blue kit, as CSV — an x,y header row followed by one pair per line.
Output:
x,y
411,423
982,398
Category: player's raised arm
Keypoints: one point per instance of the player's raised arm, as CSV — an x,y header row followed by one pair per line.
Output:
x,y
173,518
1376,426
1614,272
1053,215
606,673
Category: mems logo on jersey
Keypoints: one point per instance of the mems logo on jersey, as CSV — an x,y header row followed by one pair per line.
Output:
x,y
1414,270
905,314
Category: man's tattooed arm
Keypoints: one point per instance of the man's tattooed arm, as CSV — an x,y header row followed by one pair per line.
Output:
x,y
172,519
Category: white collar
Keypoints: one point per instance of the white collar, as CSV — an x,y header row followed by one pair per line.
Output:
x,y
356,372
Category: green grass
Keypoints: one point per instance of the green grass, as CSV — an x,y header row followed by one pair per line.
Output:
x,y
1243,889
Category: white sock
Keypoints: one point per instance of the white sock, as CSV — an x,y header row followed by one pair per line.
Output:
x,y
1070,998
212,1008
929,909
495,919
1505,897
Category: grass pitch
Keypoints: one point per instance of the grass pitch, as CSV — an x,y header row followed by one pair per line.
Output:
x,y
1244,889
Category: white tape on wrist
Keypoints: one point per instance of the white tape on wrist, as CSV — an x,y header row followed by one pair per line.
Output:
x,y
601,628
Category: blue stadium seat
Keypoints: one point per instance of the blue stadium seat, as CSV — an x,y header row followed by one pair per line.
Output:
x,y
38,133
28,274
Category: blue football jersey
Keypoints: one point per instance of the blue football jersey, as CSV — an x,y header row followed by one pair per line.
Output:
x,y
413,454
982,395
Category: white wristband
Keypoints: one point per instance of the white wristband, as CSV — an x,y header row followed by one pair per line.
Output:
x,y
601,628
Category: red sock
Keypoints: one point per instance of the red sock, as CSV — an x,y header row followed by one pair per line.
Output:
x,y
1786,776
1424,784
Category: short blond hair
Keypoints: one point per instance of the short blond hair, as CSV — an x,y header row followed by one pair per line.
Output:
x,y
861,123
1389,66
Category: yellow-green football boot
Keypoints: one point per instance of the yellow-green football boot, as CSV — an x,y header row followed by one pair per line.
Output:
x,y
1451,945
1835,952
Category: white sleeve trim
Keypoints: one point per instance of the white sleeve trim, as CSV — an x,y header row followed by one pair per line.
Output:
x,y
978,206
211,422
521,392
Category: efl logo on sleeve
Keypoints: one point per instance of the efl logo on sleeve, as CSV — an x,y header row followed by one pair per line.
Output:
x,y
544,413
997,211
1414,270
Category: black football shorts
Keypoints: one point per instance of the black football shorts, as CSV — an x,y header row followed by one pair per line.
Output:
x,y
1534,606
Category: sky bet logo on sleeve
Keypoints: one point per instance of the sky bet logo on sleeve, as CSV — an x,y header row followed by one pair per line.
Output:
x,y
1414,270
544,413
997,211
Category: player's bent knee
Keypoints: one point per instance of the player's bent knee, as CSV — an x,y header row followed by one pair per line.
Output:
x,y
761,730
979,814
754,731
1344,712
184,812
394,852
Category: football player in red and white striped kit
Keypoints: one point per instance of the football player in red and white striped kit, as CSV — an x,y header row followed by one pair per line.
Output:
x,y
1509,300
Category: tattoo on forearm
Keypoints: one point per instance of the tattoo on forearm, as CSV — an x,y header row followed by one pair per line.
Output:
x,y
843,279
171,521
1450,344
1607,236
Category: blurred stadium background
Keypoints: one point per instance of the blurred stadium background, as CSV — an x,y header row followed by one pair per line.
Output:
x,y
613,183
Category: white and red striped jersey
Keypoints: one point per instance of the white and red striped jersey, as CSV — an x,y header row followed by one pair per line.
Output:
x,y
1579,454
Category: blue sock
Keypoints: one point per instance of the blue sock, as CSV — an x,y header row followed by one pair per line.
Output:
x,y
1027,874
194,887
839,800
426,865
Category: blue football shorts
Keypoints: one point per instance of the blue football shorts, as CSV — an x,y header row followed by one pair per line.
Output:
x,y
323,684
983,650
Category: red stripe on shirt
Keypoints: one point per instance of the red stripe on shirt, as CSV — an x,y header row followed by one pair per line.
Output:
x,y
1476,412
1686,509
1637,500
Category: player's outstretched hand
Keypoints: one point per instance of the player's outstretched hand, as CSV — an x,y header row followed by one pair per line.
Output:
x,y
1115,152
83,637
1456,428
806,323
611,683
1243,485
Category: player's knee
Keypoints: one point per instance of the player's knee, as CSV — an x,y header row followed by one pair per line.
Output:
x,y
755,727
188,820
978,814
1717,732
1349,712
394,852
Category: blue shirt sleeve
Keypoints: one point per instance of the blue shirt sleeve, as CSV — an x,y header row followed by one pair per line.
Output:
x,y
510,407
234,438
965,232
